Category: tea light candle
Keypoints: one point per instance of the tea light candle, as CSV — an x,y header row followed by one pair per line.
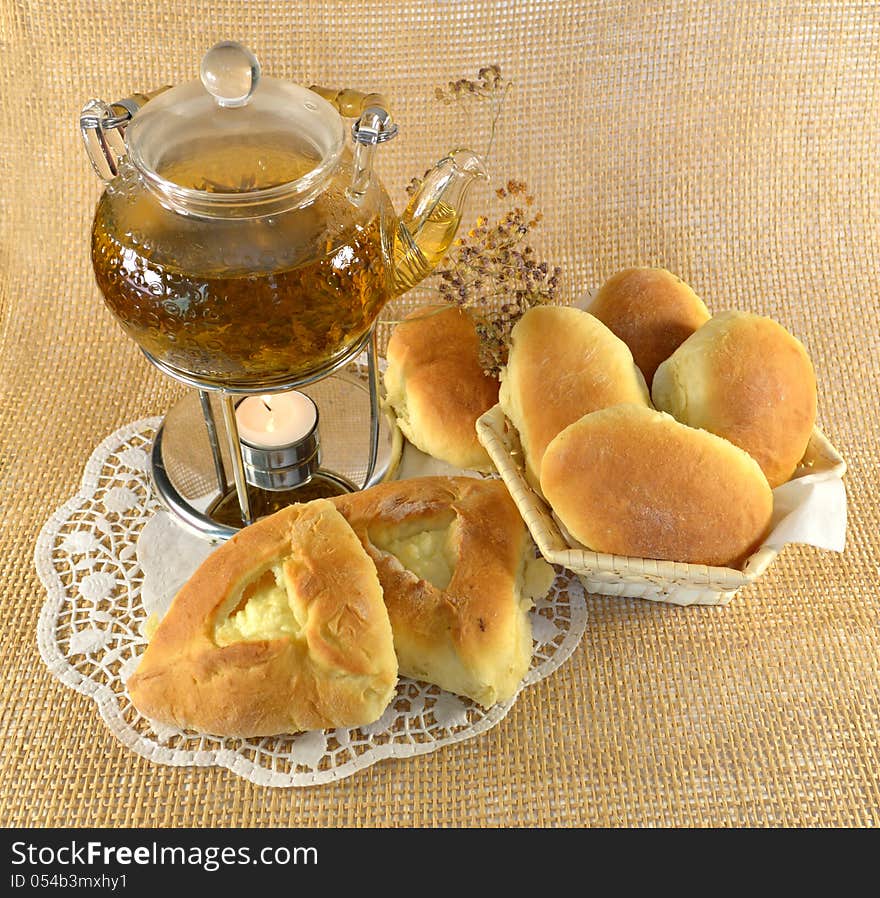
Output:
x,y
271,422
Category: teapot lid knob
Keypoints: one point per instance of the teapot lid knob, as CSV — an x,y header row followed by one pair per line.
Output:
x,y
230,73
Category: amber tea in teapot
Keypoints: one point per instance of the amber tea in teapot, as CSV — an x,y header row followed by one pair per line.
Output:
x,y
238,301
240,241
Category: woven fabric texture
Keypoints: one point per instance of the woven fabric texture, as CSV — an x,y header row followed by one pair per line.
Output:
x,y
736,144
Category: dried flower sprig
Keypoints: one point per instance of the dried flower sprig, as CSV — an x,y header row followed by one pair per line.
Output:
x,y
495,274
493,271
489,88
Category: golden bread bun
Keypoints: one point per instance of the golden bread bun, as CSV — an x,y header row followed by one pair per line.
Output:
x,y
436,385
652,311
563,364
458,574
632,481
747,379
281,629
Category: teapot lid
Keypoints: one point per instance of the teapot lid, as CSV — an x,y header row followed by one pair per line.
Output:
x,y
235,132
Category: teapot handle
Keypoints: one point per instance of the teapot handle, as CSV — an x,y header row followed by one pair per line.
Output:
x,y
374,125
349,103
102,126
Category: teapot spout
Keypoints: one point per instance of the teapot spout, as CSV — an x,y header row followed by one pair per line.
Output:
x,y
430,221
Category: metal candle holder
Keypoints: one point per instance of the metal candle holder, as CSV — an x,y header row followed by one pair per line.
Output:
x,y
283,467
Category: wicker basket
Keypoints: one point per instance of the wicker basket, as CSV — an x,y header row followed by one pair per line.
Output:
x,y
617,575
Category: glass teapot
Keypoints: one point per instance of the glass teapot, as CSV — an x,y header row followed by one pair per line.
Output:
x,y
242,240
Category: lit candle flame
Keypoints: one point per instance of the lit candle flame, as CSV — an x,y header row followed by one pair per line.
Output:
x,y
270,424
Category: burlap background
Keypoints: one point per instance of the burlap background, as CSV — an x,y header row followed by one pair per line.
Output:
x,y
736,143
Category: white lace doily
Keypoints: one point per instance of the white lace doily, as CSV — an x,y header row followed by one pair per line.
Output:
x,y
89,635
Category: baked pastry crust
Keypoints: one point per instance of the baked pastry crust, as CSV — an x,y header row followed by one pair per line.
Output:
x,y
470,635
652,311
563,364
633,481
747,379
330,661
435,384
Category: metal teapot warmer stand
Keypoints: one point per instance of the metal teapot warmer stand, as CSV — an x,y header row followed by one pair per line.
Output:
x,y
198,468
